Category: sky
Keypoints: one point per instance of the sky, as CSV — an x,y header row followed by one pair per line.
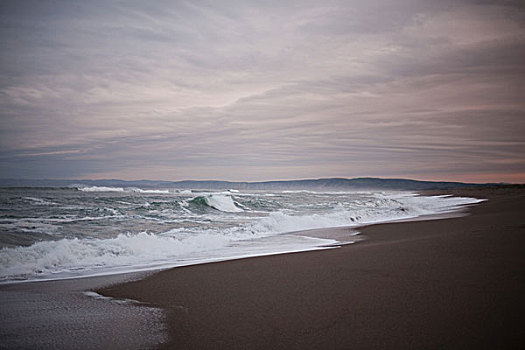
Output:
x,y
263,90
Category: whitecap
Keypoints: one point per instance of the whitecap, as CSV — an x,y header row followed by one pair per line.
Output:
x,y
100,189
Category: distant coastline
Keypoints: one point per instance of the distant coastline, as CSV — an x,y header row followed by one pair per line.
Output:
x,y
363,183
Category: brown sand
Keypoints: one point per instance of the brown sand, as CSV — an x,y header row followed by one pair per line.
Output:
x,y
451,283
58,315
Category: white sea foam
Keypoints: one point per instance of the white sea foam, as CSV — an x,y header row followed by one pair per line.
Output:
x,y
100,189
74,257
64,219
45,258
185,192
120,189
279,222
218,201
139,190
222,203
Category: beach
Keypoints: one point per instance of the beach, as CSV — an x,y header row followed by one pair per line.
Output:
x,y
441,283
452,283
64,314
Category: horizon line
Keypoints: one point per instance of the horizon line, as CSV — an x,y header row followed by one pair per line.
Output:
x,y
264,181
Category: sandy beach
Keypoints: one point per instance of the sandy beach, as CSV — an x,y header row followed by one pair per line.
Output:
x,y
59,315
452,283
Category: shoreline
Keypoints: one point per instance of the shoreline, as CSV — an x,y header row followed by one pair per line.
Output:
x,y
452,283
59,314
293,300
333,237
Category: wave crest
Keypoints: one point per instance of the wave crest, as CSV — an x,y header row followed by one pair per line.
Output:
x,y
219,202
99,189
120,189
81,255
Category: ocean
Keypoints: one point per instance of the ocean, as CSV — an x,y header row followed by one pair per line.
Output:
x,y
57,233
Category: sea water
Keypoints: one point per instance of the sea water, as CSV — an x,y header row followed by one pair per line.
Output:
x,y
55,233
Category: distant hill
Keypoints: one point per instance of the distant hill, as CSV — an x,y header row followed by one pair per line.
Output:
x,y
330,183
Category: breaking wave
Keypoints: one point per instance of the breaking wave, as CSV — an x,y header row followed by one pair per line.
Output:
x,y
119,189
74,255
100,189
219,202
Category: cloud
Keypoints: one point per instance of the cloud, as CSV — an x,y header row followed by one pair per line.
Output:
x,y
251,91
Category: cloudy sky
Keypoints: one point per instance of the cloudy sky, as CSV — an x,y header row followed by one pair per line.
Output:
x,y
260,90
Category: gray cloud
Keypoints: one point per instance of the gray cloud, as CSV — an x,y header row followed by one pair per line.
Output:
x,y
249,91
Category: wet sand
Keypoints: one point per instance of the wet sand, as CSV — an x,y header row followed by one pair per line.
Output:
x,y
451,283
58,315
